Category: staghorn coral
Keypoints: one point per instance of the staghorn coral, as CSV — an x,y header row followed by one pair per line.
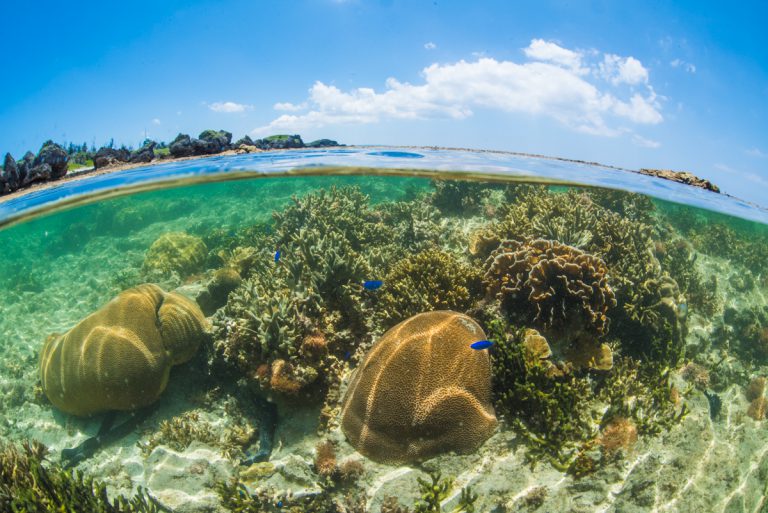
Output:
x,y
651,323
28,483
757,408
744,331
430,280
557,288
178,432
446,410
175,252
459,197
119,357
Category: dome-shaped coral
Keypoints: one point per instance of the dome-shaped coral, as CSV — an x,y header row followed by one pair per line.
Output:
x,y
176,252
558,288
421,390
119,357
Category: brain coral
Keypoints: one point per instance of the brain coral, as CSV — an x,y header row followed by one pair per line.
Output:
x,y
421,390
119,357
176,252
559,288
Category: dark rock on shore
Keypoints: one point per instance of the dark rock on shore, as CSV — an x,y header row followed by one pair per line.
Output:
x,y
322,143
182,146
681,177
40,173
244,141
215,141
55,157
110,156
10,176
144,154
26,163
209,143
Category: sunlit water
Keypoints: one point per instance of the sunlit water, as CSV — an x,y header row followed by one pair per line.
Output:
x,y
648,395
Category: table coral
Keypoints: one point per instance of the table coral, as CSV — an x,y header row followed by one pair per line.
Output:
x,y
393,413
119,357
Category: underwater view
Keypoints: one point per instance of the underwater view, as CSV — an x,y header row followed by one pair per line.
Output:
x,y
363,339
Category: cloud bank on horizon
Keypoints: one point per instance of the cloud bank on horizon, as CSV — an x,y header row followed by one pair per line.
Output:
x,y
587,91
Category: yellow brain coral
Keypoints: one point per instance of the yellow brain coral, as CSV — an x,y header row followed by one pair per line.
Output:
x,y
119,357
421,390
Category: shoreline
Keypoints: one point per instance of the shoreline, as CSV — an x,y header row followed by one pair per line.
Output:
x,y
85,173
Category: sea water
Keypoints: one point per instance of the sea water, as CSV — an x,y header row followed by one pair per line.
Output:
x,y
646,394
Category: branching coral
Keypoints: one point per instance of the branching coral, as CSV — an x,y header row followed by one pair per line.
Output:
x,y
430,280
29,484
459,197
557,288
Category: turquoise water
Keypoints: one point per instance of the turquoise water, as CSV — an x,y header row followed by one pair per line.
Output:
x,y
627,368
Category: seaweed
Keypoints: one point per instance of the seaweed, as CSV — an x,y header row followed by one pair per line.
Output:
x,y
29,483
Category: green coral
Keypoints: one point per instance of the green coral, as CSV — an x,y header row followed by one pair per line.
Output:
x,y
175,252
429,280
28,483
559,414
459,197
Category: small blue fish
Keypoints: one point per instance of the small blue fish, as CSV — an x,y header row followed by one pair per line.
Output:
x,y
372,284
481,344
277,256
279,504
347,355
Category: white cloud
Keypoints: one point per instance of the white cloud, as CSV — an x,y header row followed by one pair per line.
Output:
x,y
156,121
687,66
229,107
756,152
430,45
547,51
645,143
555,82
290,107
620,70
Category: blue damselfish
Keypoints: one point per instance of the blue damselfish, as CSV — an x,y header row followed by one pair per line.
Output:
x,y
481,344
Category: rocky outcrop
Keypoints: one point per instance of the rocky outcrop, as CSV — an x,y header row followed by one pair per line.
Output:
x,y
40,173
681,177
55,157
209,142
110,157
322,143
144,154
10,177
215,141
24,165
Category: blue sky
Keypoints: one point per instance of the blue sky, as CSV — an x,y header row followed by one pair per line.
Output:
x,y
680,85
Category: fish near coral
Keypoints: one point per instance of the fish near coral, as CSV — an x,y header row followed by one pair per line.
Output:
x,y
421,390
119,357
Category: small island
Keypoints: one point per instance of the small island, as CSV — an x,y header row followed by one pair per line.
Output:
x,y
54,161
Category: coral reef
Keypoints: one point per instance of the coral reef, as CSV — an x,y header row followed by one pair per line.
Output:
x,y
119,357
619,434
559,289
443,410
459,197
429,280
175,252
29,484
